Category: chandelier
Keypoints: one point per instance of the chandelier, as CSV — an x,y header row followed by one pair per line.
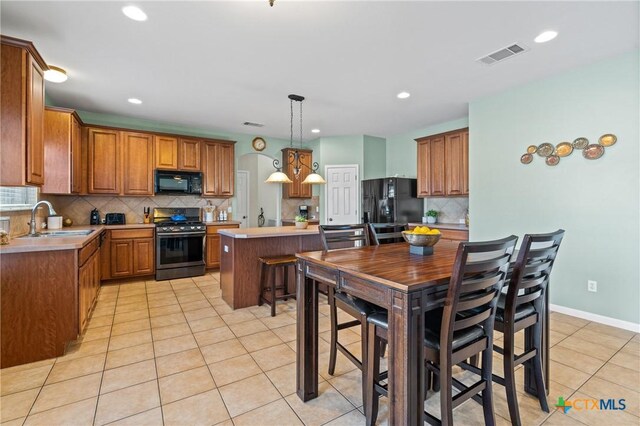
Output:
x,y
295,157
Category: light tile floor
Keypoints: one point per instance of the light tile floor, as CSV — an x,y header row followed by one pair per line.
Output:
x,y
174,353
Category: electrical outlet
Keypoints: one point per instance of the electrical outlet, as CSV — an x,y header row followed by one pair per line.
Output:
x,y
592,286
226,248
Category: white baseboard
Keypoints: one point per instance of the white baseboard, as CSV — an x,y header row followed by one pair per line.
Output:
x,y
626,325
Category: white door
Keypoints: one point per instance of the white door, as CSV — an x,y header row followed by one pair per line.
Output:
x,y
242,198
342,195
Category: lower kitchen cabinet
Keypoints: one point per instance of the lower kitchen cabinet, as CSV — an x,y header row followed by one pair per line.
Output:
x,y
88,280
128,253
212,256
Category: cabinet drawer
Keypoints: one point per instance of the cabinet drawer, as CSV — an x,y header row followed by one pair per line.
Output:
x,y
121,234
85,252
452,234
365,290
319,273
213,229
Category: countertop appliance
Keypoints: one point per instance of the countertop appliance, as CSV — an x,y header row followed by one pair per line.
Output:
x,y
115,219
303,211
178,183
391,200
94,219
180,242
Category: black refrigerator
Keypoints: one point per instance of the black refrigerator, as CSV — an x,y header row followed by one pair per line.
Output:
x,y
391,200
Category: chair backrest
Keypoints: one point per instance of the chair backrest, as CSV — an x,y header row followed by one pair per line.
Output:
x,y
479,272
344,236
531,271
386,233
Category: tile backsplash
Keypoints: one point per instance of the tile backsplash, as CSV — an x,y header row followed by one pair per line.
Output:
x,y
290,206
78,208
19,221
451,209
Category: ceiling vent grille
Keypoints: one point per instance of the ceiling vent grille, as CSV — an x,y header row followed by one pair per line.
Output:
x,y
249,123
502,54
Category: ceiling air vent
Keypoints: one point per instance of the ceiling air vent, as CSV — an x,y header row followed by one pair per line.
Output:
x,y
248,123
502,54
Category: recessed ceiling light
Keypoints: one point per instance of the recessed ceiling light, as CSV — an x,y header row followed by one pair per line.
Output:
x,y
135,101
545,37
55,74
315,130
403,95
135,13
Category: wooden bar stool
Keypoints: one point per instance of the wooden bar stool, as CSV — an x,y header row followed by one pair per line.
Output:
x,y
268,282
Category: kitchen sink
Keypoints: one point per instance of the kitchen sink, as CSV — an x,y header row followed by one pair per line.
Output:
x,y
49,234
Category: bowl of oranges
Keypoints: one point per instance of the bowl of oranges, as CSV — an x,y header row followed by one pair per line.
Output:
x,y
422,236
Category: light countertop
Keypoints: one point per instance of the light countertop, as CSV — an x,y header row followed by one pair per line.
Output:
x,y
452,226
269,231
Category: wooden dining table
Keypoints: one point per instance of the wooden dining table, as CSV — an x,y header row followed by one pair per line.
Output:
x,y
407,285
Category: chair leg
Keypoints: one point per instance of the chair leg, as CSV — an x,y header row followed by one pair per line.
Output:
x,y
372,372
487,393
510,377
333,318
272,276
285,281
446,393
364,342
474,360
537,367
263,271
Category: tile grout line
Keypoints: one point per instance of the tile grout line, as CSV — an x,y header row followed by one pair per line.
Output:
x,y
155,364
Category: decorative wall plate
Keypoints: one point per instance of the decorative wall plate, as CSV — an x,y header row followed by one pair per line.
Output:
x,y
531,149
564,149
552,160
580,143
545,149
526,158
608,139
593,151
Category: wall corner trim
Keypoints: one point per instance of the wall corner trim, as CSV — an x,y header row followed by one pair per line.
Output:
x,y
613,322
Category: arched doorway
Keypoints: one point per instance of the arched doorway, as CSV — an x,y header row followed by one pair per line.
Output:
x,y
261,195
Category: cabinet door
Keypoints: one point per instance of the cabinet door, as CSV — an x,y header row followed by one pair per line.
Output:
x,y
143,256
453,153
189,155
137,163
35,123
213,251
104,161
84,277
95,283
226,169
290,190
465,163
424,169
121,258
436,150
76,155
306,160
166,153
209,169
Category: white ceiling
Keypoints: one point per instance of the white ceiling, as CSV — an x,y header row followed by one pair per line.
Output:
x,y
214,65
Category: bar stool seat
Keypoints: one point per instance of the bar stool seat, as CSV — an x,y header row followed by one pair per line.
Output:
x,y
268,284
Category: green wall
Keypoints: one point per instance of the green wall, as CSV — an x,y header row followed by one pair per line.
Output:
x,y
375,157
596,202
401,148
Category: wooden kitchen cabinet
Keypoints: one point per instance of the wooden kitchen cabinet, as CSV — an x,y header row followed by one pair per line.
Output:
x,y
297,189
88,280
218,169
129,253
443,164
121,258
212,256
166,152
137,163
103,161
62,151
189,154
143,256
22,114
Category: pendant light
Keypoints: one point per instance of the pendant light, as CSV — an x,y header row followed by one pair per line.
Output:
x,y
294,157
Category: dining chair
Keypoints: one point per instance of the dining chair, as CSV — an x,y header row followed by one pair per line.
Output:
x,y
340,237
522,307
462,328
386,233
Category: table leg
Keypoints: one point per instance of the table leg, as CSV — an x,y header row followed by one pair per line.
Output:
x,y
529,376
307,331
406,360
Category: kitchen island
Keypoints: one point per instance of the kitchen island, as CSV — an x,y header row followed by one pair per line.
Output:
x,y
240,252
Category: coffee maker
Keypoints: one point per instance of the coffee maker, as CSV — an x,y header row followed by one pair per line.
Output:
x,y
303,211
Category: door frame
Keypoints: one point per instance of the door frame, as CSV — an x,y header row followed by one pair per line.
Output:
x,y
247,198
326,186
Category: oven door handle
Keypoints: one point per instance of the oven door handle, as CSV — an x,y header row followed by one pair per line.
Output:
x,y
182,234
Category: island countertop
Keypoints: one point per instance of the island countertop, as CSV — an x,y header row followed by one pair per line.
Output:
x,y
269,232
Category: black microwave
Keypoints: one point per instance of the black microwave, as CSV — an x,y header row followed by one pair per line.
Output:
x,y
186,183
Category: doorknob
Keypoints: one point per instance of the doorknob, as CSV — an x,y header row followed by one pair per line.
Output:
x,y
244,217
330,219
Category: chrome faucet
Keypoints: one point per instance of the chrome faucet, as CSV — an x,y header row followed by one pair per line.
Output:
x,y
32,224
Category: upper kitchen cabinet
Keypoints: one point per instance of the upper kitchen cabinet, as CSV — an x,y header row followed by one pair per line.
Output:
x,y
297,189
22,114
103,176
137,163
218,168
177,153
62,151
443,164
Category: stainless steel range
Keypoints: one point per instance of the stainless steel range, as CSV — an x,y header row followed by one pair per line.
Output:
x,y
180,243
